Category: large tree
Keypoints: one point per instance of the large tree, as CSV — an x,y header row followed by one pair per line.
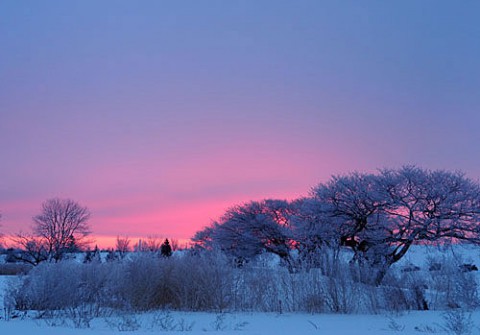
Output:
x,y
62,226
380,216
428,207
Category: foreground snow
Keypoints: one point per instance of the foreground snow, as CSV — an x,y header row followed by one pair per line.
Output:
x,y
235,323
433,322
245,323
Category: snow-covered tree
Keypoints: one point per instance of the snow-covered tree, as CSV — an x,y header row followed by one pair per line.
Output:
x,y
379,216
246,231
312,236
350,203
203,239
428,207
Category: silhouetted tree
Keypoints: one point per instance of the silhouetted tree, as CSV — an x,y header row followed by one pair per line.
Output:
x,y
149,244
166,249
32,249
62,227
122,246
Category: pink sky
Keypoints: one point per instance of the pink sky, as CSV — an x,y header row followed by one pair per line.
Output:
x,y
159,116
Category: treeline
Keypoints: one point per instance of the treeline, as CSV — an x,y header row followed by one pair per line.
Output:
x,y
378,217
62,229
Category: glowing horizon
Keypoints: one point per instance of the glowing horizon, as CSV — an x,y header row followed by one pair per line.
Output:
x,y
109,220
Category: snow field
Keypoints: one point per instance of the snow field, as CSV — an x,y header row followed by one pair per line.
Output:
x,y
244,323
163,322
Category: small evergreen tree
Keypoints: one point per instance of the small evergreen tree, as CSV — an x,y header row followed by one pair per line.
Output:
x,y
166,249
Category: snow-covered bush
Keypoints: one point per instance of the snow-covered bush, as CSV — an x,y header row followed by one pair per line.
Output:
x,y
189,282
207,281
457,322
49,287
451,285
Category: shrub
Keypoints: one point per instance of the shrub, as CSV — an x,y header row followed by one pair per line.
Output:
x,y
207,281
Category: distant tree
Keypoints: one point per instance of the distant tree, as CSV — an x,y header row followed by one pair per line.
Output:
x,y
32,249
174,244
122,246
63,224
150,244
166,249
61,227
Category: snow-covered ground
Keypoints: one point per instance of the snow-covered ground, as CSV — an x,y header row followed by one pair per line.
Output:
x,y
3,285
417,322
245,323
420,255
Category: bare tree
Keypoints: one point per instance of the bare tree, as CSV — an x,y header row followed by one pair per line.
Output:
x,y
62,226
123,245
174,244
33,249
149,244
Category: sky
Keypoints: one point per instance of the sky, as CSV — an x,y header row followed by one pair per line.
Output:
x,y
160,115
